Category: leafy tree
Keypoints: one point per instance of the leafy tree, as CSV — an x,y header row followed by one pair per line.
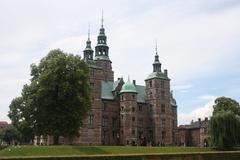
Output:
x,y
224,125
58,97
16,114
224,129
11,135
226,104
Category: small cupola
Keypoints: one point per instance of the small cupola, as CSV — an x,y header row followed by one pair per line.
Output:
x,y
128,87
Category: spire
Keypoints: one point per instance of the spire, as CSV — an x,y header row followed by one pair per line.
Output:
x,y
101,50
88,52
88,31
156,48
102,19
156,63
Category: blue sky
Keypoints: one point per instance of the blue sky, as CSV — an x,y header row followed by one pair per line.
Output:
x,y
198,42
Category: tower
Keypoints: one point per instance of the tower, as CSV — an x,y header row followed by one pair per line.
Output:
x,y
102,54
88,52
158,99
128,114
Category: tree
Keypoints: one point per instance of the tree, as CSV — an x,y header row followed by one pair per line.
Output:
x,y
11,135
224,129
226,104
16,114
224,125
58,97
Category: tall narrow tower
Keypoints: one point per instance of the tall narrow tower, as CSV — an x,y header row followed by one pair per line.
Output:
x,y
88,52
158,98
102,54
128,114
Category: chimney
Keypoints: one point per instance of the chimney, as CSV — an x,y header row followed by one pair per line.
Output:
x,y
165,72
134,82
206,118
199,119
119,78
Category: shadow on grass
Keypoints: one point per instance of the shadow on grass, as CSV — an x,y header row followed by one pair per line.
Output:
x,y
90,150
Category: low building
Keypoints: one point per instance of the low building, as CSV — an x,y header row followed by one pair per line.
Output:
x,y
194,134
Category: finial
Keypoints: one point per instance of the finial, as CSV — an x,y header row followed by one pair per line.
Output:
x,y
102,18
128,78
88,31
156,49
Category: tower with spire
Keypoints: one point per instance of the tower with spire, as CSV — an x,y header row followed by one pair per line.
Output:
x,y
88,52
158,100
102,54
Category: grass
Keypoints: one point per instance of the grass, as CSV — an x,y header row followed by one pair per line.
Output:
x,y
82,151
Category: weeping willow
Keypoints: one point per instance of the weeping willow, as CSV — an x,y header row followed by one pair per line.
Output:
x,y
224,130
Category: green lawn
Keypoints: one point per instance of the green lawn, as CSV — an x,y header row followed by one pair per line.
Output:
x,y
42,151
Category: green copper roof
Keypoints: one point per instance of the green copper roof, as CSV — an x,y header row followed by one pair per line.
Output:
x,y
106,91
141,93
128,87
158,75
108,87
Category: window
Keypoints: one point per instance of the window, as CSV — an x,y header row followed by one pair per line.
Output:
x,y
150,107
133,109
104,134
92,73
113,134
104,106
139,107
150,84
133,131
163,123
163,108
162,84
122,97
150,120
92,85
163,134
122,108
122,116
133,96
114,123
90,118
163,94
105,122
133,119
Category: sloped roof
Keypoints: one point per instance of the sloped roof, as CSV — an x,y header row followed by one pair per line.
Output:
x,y
128,87
106,91
141,93
108,87
158,75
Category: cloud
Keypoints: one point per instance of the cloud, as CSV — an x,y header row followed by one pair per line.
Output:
x,y
182,88
200,112
4,117
208,97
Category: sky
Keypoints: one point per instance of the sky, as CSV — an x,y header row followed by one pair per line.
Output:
x,y
198,42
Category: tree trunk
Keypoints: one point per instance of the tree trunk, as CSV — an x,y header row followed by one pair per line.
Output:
x,y
56,140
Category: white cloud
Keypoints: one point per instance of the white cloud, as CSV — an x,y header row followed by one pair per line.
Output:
x,y
200,112
207,97
4,117
183,88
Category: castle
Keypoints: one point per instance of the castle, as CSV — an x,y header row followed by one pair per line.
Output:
x,y
124,113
